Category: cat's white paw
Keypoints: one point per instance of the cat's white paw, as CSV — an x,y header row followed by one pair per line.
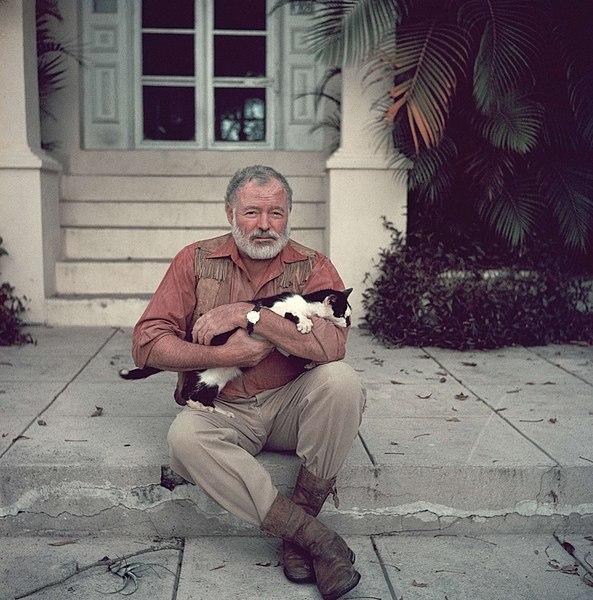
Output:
x,y
305,325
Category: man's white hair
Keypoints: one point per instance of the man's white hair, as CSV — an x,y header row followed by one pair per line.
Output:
x,y
259,173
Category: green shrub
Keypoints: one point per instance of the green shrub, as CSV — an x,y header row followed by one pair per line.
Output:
x,y
426,295
11,307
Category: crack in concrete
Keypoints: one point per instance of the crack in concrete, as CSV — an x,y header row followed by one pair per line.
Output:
x,y
180,543
559,366
395,595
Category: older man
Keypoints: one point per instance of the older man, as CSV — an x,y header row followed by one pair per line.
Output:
x,y
277,404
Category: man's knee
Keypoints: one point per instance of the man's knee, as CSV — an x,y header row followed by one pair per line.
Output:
x,y
344,381
190,432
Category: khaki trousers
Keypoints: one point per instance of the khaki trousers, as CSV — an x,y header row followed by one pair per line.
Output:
x,y
317,415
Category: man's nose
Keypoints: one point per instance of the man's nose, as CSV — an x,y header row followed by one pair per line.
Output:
x,y
263,222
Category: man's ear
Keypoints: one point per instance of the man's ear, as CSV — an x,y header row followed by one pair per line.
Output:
x,y
347,292
229,214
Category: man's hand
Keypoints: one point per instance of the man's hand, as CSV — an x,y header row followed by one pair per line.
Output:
x,y
220,320
242,350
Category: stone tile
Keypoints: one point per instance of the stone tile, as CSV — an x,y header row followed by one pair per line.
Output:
x,y
573,358
422,400
29,563
249,567
437,442
488,567
59,354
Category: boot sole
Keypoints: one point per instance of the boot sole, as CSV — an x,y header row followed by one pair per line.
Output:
x,y
311,579
344,590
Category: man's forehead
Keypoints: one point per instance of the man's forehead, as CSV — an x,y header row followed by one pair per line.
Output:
x,y
271,190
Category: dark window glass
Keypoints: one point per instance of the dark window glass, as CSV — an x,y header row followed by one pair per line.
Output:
x,y
177,14
239,56
169,113
167,54
239,14
240,114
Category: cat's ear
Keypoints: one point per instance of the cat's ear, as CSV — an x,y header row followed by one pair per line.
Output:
x,y
328,300
347,292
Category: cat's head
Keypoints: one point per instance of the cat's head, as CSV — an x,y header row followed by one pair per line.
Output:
x,y
338,309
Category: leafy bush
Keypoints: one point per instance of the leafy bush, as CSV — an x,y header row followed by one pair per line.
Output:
x,y
11,307
426,295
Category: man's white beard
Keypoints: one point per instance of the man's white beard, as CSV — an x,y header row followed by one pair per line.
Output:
x,y
255,250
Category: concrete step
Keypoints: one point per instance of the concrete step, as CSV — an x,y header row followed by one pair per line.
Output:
x,y
95,310
170,188
170,214
426,459
193,162
153,242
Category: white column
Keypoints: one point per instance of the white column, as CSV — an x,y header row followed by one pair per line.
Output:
x,y
361,189
29,221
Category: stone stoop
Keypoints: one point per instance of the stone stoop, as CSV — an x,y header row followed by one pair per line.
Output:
x,y
124,216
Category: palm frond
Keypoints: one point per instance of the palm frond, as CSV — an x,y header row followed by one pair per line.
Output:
x,y
489,173
428,56
513,124
513,213
570,192
347,31
506,45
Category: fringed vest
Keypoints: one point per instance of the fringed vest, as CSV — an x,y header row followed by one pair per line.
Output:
x,y
214,282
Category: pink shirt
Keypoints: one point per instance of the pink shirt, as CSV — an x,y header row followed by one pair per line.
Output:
x,y
170,309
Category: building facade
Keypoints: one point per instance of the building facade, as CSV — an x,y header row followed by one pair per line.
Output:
x,y
165,106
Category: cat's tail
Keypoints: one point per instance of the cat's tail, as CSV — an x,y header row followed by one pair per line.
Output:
x,y
138,373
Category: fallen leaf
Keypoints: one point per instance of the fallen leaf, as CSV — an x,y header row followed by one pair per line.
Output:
x,y
454,419
570,569
21,437
394,443
62,542
4,434
529,383
469,364
549,383
423,356
393,453
127,445
266,564
41,422
423,397
76,440
418,584
568,547
589,538
461,396
442,373
219,567
500,409
513,391
395,382
98,412
420,435
530,420
442,380
552,420
453,409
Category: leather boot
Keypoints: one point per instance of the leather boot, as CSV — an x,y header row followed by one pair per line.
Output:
x,y
310,493
332,558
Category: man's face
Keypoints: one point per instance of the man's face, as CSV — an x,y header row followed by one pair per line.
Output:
x,y
259,219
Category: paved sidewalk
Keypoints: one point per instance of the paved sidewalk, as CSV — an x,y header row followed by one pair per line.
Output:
x,y
466,464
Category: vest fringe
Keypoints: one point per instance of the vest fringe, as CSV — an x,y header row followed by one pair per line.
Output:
x,y
213,268
296,273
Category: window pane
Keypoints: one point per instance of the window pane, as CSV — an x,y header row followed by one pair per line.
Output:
x,y
169,113
167,54
178,14
240,114
238,14
239,56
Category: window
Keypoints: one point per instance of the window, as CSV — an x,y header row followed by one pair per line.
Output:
x,y
204,75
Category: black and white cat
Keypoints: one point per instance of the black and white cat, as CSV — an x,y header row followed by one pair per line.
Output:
x,y
204,386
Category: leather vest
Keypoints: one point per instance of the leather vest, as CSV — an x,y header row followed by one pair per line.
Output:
x,y
213,283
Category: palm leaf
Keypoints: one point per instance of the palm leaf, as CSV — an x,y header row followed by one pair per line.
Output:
x,y
430,162
347,31
428,55
489,172
506,45
570,192
513,124
513,213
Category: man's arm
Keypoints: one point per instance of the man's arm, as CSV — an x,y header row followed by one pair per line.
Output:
x,y
324,343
